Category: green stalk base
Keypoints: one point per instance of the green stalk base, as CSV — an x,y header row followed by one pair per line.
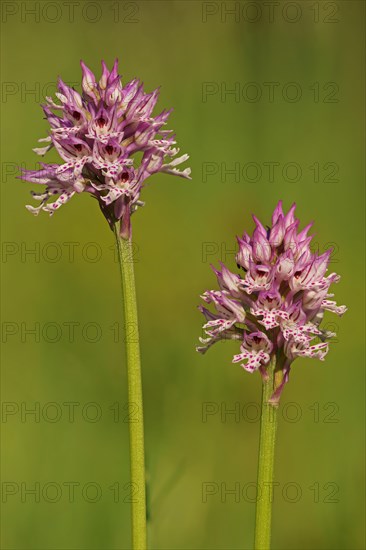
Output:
x,y
136,424
262,540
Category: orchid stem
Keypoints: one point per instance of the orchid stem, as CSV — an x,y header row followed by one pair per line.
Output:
x,y
262,540
136,423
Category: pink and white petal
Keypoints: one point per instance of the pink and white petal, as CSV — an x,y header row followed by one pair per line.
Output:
x,y
292,331
310,328
79,165
245,354
175,172
254,359
65,167
40,196
252,364
219,325
34,209
54,105
41,151
113,195
271,317
331,305
300,333
318,351
62,199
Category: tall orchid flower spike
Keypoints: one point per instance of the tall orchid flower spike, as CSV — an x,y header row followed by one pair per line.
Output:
x,y
279,296
273,308
97,135
100,135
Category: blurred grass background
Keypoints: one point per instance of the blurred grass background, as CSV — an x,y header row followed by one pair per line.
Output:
x,y
182,46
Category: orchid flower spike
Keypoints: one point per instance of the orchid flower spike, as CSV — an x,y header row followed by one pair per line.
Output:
x,y
97,134
275,305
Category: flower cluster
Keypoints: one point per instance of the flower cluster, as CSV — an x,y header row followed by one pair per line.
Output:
x,y
97,135
277,305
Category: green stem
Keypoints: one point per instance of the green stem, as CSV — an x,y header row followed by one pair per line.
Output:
x,y
267,440
136,426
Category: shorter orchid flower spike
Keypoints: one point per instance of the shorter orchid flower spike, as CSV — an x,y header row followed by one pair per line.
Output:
x,y
97,134
275,304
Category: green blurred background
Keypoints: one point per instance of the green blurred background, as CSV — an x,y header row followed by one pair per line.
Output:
x,y
196,51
